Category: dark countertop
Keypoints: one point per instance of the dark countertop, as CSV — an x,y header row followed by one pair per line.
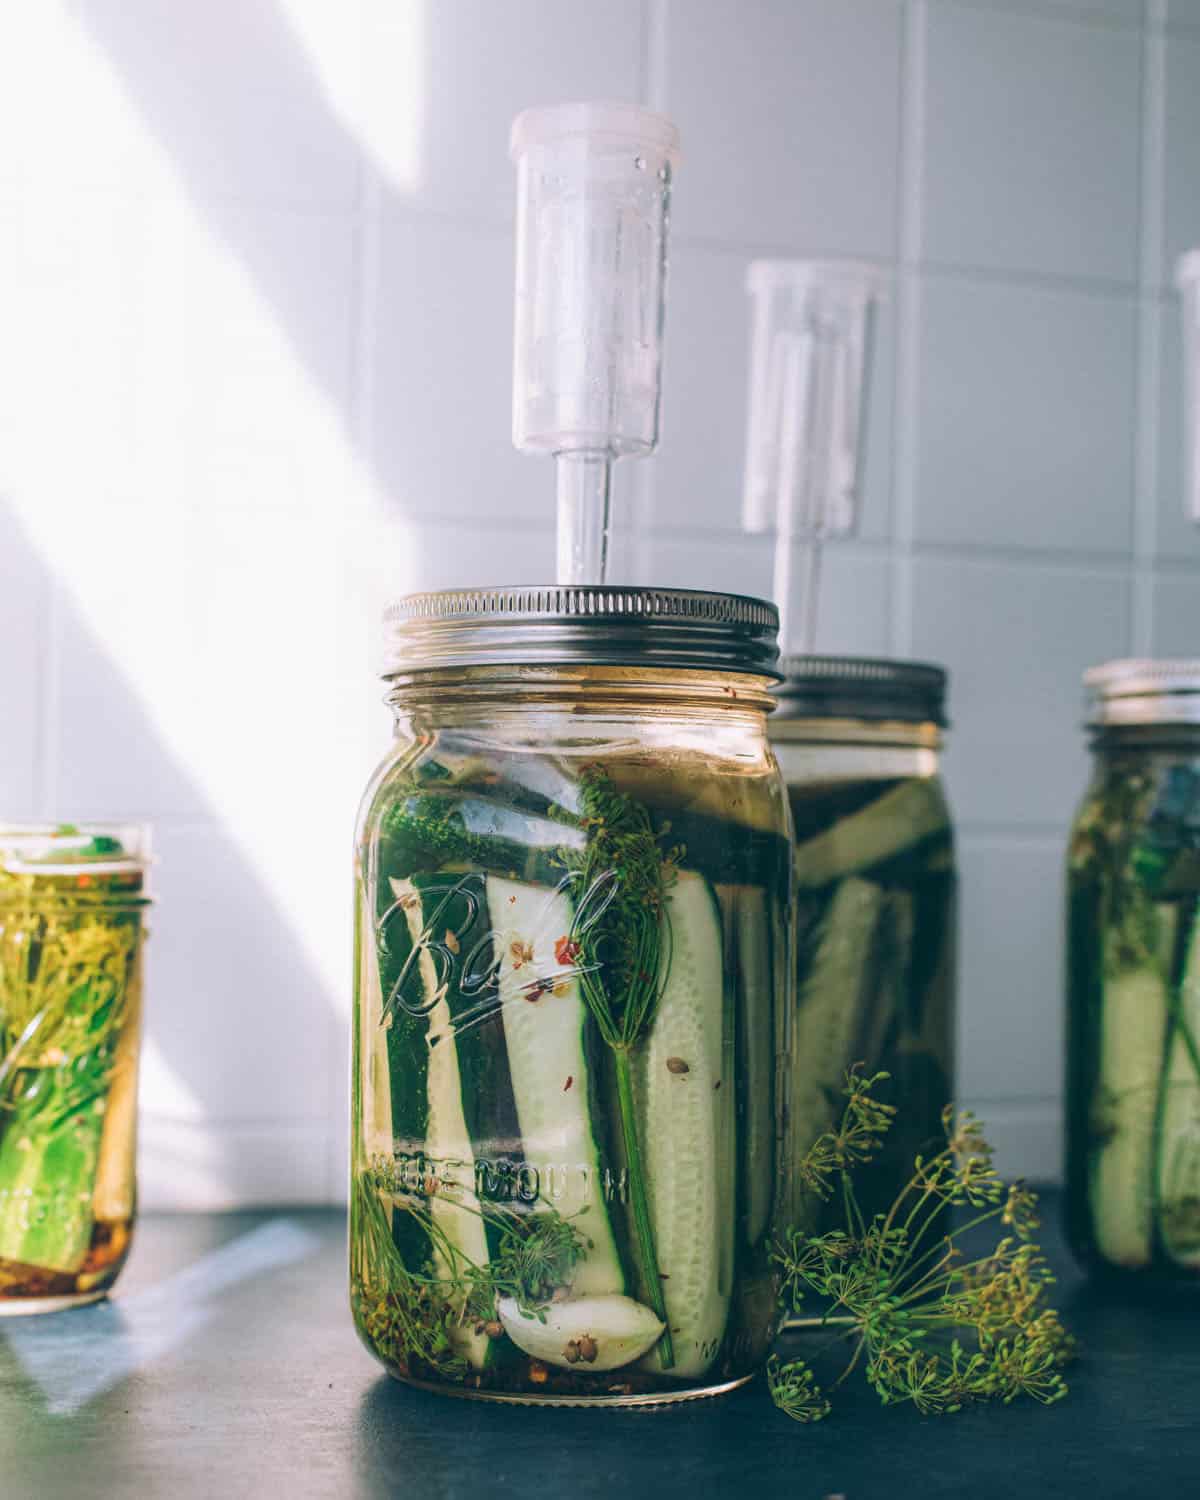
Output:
x,y
226,1366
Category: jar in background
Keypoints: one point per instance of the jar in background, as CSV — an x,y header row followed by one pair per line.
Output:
x,y
71,906
1133,976
573,886
876,890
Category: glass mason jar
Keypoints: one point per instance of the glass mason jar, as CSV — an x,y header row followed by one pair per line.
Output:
x,y
876,899
573,883
71,904
1133,976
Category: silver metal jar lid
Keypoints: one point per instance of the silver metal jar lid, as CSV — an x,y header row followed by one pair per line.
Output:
x,y
581,625
862,687
1141,691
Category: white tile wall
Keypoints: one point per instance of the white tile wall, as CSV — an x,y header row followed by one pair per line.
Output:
x,y
1016,640
1031,157
1010,1046
1182,133
790,115
1024,437
255,286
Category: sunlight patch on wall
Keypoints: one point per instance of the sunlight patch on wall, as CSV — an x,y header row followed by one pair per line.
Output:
x,y
371,58
194,492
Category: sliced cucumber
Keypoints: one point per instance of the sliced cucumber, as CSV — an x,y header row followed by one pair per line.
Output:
x,y
829,1004
1179,1160
453,1206
588,1333
374,1081
552,1046
426,830
116,1172
895,821
1132,1029
405,1025
683,1124
746,919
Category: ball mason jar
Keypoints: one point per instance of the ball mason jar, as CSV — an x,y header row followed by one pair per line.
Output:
x,y
71,907
858,742
573,892
1133,977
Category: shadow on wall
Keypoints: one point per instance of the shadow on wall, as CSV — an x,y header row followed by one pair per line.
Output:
x,y
239,1099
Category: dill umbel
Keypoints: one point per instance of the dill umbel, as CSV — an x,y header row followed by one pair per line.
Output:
x,y
929,1323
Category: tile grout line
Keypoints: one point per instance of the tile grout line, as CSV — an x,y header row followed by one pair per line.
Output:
x,y
1148,334
1067,15
906,373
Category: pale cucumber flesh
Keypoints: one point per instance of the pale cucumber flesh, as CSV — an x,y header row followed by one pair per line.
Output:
x,y
545,1019
684,1121
454,1207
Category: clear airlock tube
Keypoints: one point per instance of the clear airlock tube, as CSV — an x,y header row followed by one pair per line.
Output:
x,y
593,192
810,353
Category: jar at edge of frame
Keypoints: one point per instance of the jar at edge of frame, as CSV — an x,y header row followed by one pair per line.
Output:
x,y
1133,977
72,906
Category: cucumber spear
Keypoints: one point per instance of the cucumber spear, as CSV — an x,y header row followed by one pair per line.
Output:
x,y
621,881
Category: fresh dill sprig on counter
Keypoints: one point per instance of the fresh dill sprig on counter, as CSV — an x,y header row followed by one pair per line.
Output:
x,y
934,1325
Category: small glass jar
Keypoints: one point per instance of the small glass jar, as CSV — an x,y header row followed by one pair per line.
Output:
x,y
1133,977
858,742
71,905
573,883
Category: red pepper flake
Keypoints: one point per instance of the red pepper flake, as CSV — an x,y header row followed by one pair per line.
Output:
x,y
566,950
84,880
569,1082
520,952
536,988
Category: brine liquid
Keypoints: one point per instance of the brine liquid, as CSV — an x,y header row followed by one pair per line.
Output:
x,y
22,1285
487,1101
1133,1021
875,956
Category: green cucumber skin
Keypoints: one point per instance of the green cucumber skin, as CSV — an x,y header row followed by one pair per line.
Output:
x,y
477,1035
747,925
407,1045
1177,1185
49,1154
50,1150
428,829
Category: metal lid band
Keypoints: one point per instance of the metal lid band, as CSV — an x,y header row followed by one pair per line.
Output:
x,y
862,687
581,625
1140,692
